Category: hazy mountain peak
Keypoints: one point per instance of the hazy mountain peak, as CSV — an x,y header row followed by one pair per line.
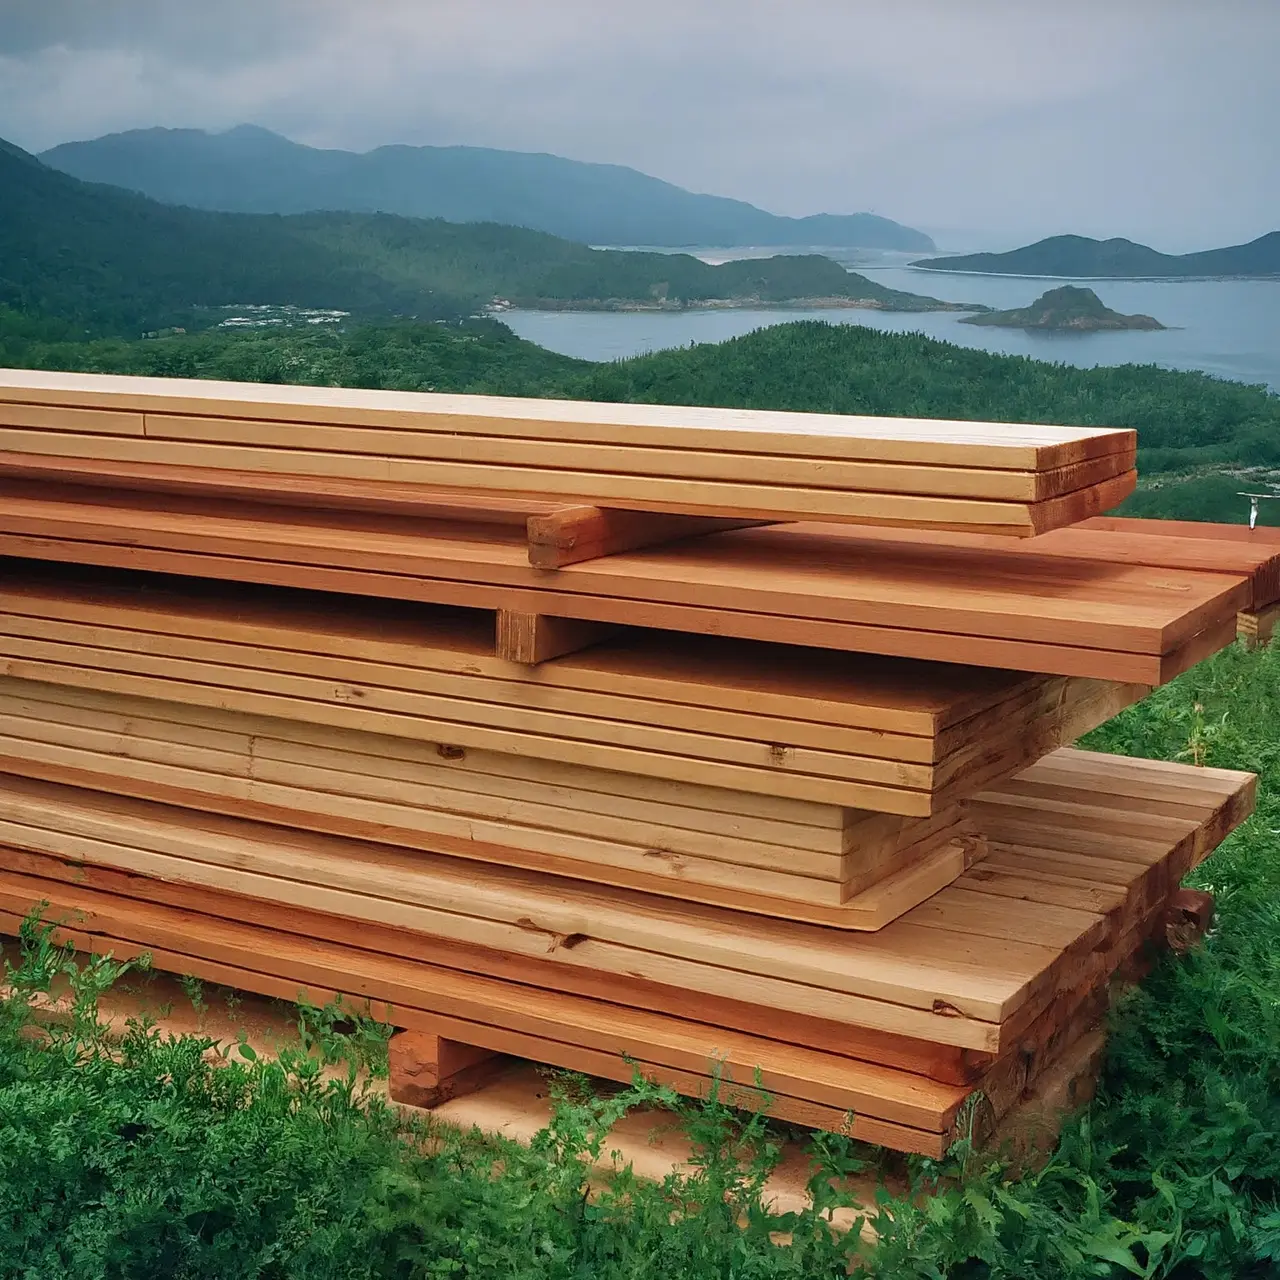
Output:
x,y
254,133
249,169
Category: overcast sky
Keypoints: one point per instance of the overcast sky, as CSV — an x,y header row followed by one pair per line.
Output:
x,y
987,122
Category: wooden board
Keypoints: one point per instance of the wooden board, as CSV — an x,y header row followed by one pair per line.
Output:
x,y
325,975
1112,621
680,494
86,747
945,1063
822,1090
898,699
156,726
821,777
1232,549
584,712
968,969
1011,446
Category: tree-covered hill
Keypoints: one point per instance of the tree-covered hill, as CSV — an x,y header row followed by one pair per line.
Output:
x,y
1079,257
1069,307
533,269
108,261
251,170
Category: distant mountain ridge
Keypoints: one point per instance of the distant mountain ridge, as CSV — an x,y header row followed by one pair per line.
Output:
x,y
252,170
111,262
1079,257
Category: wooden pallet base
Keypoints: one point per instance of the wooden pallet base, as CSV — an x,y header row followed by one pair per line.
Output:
x,y
427,1069
1255,630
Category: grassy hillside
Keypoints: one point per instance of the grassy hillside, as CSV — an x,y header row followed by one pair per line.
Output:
x,y
1083,258
251,170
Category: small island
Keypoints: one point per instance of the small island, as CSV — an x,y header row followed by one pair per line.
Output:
x,y
1070,307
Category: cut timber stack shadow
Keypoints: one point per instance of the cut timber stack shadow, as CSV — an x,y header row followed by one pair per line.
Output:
x,y
728,746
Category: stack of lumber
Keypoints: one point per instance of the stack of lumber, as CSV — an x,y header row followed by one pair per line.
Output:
x,y
784,584
883,1035
332,692
724,463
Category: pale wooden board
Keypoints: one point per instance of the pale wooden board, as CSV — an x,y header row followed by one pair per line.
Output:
x,y
821,1090
324,975
945,1063
541,466
245,770
788,965
773,820
1016,446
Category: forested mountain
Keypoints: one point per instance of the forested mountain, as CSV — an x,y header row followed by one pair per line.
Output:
x,y
112,262
251,170
1082,258
533,269
108,261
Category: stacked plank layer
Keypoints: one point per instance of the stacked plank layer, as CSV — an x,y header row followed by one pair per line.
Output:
x,y
790,584
884,1035
714,462
330,691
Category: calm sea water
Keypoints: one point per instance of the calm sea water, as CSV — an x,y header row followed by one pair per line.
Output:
x,y
1229,328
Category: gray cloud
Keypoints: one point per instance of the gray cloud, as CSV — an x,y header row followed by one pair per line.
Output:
x,y
1003,120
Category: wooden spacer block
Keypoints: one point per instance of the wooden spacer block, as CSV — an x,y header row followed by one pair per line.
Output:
x,y
531,638
1188,917
570,535
1255,630
426,1069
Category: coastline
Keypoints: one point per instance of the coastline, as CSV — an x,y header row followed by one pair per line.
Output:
x,y
656,305
1273,278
